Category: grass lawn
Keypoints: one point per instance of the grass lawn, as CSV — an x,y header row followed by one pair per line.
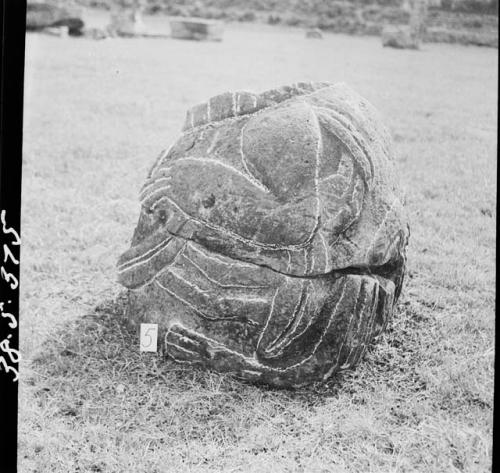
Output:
x,y
97,113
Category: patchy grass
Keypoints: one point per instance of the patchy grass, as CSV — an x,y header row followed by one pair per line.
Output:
x,y
97,114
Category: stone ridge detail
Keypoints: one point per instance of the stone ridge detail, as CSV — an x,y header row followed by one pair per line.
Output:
x,y
272,236
234,104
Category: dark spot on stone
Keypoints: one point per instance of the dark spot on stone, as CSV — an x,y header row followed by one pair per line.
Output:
x,y
69,411
235,209
190,145
209,201
162,216
67,352
486,211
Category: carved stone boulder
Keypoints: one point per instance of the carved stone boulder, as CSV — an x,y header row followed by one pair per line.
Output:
x,y
272,237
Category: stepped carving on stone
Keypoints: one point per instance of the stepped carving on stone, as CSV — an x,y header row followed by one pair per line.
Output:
x,y
272,237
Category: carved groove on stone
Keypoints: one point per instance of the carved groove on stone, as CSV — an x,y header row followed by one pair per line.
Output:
x,y
320,341
188,283
218,283
159,161
188,304
211,341
284,339
358,332
346,336
160,191
271,310
380,228
319,150
351,140
213,143
235,235
250,175
215,258
325,246
144,192
145,257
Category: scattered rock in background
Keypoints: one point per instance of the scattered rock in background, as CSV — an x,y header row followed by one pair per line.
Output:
x,y
126,22
196,29
314,33
460,21
61,31
95,33
400,37
44,15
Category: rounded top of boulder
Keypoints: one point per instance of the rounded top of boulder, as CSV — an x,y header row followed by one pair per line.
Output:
x,y
234,104
298,179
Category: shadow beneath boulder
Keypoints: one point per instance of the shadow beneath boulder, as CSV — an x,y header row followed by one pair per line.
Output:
x,y
92,371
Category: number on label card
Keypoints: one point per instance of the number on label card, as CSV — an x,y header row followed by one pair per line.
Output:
x,y
149,337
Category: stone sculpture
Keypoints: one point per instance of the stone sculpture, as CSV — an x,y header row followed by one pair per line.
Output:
x,y
271,241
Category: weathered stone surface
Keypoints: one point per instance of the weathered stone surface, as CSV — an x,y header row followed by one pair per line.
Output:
x,y
400,37
197,29
272,237
314,33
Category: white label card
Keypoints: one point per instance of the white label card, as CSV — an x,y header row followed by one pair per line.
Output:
x,y
149,337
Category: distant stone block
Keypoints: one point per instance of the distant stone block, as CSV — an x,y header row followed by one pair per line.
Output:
x,y
126,23
61,31
95,33
314,34
44,15
400,37
41,15
196,29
